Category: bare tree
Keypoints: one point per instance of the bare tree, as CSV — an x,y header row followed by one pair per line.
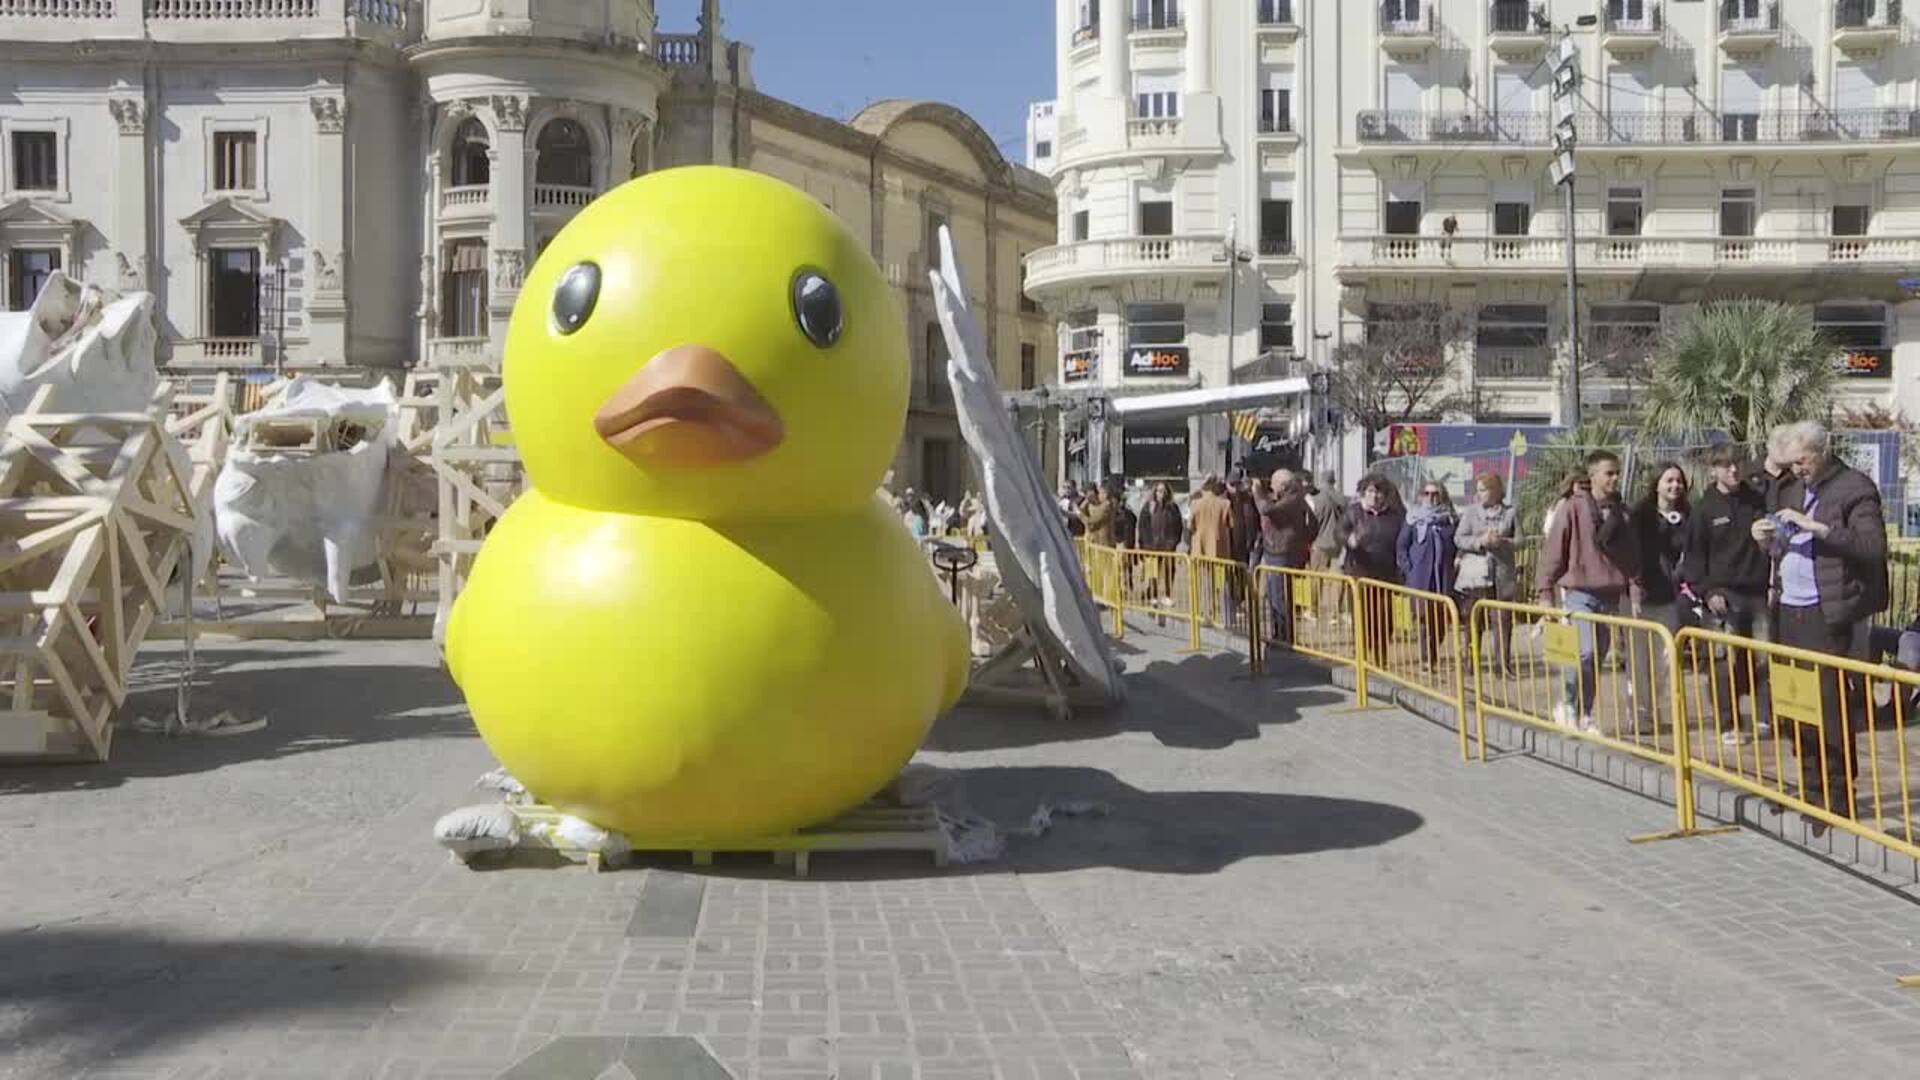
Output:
x,y
1402,369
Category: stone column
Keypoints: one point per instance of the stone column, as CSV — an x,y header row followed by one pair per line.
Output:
x,y
326,257
1199,15
507,242
131,177
1113,49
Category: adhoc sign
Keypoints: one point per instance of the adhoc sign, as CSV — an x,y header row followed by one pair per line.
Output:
x,y
1867,364
1157,360
1079,366
1154,451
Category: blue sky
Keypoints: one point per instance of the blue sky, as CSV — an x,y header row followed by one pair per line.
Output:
x,y
988,57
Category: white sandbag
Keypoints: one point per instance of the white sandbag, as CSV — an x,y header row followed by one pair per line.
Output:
x,y
309,514
95,347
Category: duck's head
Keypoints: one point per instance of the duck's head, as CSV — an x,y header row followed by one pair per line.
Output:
x,y
706,343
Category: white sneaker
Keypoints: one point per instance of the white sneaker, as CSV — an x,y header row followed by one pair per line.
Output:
x,y
1763,730
1587,725
1735,738
1563,715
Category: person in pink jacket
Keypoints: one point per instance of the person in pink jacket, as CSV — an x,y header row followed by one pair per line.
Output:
x,y
1593,554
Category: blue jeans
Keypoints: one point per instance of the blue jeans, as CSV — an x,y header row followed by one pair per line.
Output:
x,y
1279,597
1595,641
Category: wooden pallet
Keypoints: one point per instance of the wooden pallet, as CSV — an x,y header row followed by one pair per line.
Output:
x,y
872,827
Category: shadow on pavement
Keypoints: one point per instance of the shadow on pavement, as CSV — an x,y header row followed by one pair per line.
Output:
x,y
309,706
90,995
1159,704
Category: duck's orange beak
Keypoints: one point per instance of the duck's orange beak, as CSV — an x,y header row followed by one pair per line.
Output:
x,y
689,407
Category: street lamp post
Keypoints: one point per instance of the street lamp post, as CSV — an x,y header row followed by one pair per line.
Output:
x,y
1234,257
1566,84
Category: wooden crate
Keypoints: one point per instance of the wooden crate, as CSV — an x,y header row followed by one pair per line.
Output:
x,y
97,512
477,469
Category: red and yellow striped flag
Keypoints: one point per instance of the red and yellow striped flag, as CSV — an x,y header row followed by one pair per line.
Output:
x,y
1246,425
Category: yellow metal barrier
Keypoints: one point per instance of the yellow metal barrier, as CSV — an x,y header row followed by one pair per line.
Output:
x,y
1413,639
1225,597
1160,584
1818,727
1311,612
1903,583
1602,678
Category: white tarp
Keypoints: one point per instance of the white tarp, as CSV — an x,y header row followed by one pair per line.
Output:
x,y
94,347
310,514
1032,550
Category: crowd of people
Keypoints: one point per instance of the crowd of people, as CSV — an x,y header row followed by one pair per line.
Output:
x,y
1790,548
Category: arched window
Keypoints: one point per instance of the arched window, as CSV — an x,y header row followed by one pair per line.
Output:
x,y
565,157
471,167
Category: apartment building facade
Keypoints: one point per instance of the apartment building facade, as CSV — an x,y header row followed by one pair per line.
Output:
x,y
309,185
1374,158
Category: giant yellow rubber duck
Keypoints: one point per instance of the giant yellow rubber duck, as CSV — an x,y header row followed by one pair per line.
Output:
x,y
701,622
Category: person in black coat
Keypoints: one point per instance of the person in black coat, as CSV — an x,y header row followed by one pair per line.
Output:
x,y
1730,573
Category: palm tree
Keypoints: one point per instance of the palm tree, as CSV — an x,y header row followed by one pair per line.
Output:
x,y
1742,366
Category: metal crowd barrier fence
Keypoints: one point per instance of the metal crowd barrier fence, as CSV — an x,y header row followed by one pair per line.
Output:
x,y
1311,612
1160,584
1412,638
1823,735
1602,678
1224,597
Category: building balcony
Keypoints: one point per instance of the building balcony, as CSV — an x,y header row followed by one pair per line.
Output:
x,y
466,201
1396,255
1088,34
214,352
1651,131
562,197
459,352
1866,25
1409,126
1522,363
1093,261
1517,29
1630,28
1271,126
1153,133
1749,27
1407,28
1147,28
679,50
392,21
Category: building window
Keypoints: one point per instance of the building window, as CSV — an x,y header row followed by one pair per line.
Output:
x,y
1083,331
471,165
1274,12
1741,93
1400,12
1156,95
463,290
1276,327
935,222
564,156
1620,338
1276,110
1276,226
36,163
1029,365
1156,324
1043,148
938,389
1027,306
27,273
235,291
1852,326
1625,212
1156,217
233,160
1511,342
1402,217
1082,225
936,469
1851,220
1512,218
1737,212
1156,14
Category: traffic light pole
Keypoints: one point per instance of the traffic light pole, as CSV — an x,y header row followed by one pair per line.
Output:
x,y
1573,400
1566,82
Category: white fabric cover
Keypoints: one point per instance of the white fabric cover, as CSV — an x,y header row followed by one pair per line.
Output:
x,y
311,516
95,347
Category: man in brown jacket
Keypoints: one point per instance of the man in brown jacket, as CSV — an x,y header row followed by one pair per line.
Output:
x,y
1592,552
1829,545
1210,519
1098,515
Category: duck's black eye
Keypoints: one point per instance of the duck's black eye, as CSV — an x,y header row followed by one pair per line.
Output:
x,y
816,307
574,297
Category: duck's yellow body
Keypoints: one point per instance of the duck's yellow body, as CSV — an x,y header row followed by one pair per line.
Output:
x,y
670,678
701,623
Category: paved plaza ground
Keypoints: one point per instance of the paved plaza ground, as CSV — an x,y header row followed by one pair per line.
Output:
x,y
1283,888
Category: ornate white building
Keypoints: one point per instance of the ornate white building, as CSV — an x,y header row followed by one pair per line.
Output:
x,y
1377,154
312,184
